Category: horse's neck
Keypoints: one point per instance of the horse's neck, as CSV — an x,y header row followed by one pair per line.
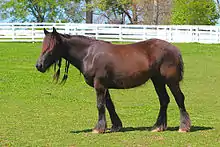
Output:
x,y
76,51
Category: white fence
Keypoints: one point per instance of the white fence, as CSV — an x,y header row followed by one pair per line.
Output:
x,y
33,32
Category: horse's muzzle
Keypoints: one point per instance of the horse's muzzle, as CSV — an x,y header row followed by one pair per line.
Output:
x,y
40,67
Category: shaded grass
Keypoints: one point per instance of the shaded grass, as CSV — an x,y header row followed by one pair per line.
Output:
x,y
36,112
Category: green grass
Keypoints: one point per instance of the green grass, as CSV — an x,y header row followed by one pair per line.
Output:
x,y
36,112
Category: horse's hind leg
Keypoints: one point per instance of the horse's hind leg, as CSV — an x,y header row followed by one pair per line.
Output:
x,y
185,122
116,122
161,123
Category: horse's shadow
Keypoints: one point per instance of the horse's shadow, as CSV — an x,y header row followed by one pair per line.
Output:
x,y
129,129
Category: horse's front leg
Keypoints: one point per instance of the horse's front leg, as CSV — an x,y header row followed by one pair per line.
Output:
x,y
116,122
100,94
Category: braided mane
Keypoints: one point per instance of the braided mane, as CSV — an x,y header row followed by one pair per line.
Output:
x,y
56,75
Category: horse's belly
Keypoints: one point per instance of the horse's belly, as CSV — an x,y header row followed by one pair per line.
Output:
x,y
126,82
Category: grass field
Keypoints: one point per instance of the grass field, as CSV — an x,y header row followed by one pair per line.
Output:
x,y
36,112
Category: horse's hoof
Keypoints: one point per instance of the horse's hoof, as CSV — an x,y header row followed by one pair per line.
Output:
x,y
115,129
183,130
159,129
156,130
95,131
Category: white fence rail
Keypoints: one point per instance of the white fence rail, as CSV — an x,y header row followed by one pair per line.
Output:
x,y
32,32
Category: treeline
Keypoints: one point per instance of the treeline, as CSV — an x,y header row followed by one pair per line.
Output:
x,y
153,12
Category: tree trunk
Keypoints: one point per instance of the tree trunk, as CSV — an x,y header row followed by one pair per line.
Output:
x,y
156,12
89,17
89,12
134,12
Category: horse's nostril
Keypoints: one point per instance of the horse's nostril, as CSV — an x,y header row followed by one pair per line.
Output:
x,y
38,66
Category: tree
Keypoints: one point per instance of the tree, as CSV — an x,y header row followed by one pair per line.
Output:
x,y
194,12
136,11
155,12
73,11
36,10
116,10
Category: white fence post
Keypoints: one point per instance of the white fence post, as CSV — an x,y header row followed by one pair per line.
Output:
x,y
197,34
67,28
157,31
218,35
144,31
170,34
32,32
120,33
13,32
96,31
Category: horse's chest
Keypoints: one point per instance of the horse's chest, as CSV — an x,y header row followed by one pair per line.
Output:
x,y
91,67
89,74
88,65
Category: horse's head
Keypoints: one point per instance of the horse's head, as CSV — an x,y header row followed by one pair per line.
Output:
x,y
51,50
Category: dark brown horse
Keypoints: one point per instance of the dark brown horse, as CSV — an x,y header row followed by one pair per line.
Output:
x,y
105,66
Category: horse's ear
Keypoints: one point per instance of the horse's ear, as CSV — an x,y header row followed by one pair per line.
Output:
x,y
54,30
45,31
56,34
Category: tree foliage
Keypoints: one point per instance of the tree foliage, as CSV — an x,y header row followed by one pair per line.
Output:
x,y
194,12
37,10
115,10
73,11
136,11
156,12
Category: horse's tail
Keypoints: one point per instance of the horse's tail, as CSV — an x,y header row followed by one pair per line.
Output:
x,y
181,67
